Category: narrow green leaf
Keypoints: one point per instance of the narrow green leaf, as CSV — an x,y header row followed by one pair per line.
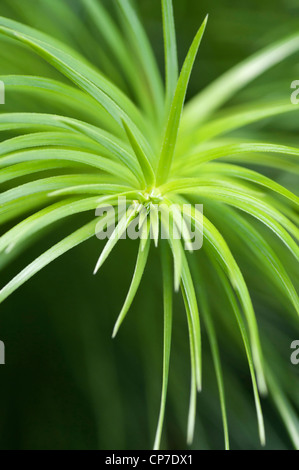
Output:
x,y
227,261
70,63
180,228
115,236
49,139
193,388
46,185
138,273
145,228
190,298
42,219
51,214
114,39
175,243
170,49
101,188
59,92
22,206
141,45
205,310
223,88
13,121
256,207
285,409
172,129
155,223
252,176
261,249
167,293
46,258
238,118
236,310
89,159
212,154
144,162
23,169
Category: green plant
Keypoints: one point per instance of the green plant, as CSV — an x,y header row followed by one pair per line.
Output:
x,y
142,139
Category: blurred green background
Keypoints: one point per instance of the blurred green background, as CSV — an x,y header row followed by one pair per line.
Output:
x,y
66,384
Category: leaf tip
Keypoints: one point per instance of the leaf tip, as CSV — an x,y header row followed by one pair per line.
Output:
x,y
114,333
96,269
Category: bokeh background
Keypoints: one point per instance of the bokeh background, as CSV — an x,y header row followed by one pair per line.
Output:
x,y
66,384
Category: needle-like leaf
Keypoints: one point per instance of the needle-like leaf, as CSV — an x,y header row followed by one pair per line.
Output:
x,y
144,162
232,81
168,301
170,48
138,273
172,128
53,253
115,236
